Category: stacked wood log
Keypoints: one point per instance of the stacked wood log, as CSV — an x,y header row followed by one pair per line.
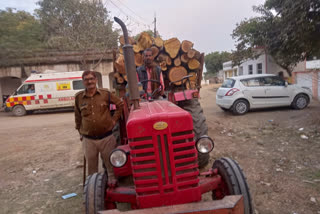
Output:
x,y
176,59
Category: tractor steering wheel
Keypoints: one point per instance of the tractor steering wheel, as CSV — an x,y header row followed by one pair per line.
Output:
x,y
157,90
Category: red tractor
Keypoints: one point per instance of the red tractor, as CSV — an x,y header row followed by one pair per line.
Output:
x,y
157,163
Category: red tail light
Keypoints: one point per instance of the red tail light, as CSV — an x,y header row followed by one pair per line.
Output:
x,y
232,91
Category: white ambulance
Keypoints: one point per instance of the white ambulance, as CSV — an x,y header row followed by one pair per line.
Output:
x,y
47,90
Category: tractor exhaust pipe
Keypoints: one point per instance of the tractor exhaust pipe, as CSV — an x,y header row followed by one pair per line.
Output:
x,y
130,66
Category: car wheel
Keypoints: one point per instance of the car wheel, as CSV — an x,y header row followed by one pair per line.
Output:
x,y
240,107
300,102
19,110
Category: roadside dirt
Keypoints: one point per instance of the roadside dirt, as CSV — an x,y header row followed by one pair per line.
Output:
x,y
41,158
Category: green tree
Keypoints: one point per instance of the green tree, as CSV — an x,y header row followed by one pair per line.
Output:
x,y
77,25
214,61
20,34
288,30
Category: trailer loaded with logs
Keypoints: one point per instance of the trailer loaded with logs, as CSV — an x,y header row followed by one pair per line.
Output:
x,y
157,163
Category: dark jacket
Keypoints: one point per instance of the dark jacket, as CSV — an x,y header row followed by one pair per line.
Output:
x,y
143,75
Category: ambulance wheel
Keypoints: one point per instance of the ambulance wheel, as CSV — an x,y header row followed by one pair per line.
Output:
x,y
95,192
200,127
233,182
19,110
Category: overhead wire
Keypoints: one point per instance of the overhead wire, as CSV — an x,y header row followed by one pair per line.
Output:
x,y
133,21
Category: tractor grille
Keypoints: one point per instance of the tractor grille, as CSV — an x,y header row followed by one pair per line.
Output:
x,y
164,163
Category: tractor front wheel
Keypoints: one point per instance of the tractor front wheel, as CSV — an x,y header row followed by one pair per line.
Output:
x,y
94,192
200,127
233,182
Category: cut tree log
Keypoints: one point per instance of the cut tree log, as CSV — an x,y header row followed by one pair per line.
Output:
x,y
158,42
162,57
172,47
125,78
193,64
155,51
197,55
177,73
138,59
131,40
119,64
116,75
186,46
168,61
194,76
184,58
137,48
163,65
177,61
191,53
145,40
120,80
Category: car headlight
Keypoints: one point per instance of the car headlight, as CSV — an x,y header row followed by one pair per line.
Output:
x,y
118,158
204,144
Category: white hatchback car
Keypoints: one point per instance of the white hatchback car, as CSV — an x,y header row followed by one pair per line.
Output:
x,y
241,93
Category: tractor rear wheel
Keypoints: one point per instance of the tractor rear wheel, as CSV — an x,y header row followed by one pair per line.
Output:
x,y
200,127
94,192
233,182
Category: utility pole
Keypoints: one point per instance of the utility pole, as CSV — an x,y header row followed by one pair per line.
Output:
x,y
155,26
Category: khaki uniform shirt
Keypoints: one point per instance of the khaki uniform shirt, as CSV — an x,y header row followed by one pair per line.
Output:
x,y
92,114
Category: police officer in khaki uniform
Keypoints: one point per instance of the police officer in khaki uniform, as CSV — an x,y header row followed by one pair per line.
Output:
x,y
94,123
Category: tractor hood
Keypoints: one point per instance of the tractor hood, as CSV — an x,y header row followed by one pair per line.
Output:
x,y
158,116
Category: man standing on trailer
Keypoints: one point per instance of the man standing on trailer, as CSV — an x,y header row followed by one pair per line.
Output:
x,y
94,123
150,71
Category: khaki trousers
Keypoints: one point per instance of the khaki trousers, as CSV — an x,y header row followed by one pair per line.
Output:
x,y
92,148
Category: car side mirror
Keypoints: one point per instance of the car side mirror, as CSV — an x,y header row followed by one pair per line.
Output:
x,y
286,84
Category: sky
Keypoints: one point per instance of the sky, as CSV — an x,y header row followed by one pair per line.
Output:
x,y
207,23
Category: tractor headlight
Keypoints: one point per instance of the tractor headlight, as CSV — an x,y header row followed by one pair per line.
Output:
x,y
204,144
118,158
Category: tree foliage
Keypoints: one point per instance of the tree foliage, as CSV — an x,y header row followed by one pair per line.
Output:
x,y
288,30
20,32
76,25
214,61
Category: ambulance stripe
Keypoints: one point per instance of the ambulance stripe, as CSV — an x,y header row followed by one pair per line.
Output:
x,y
37,102
16,99
32,97
24,98
20,98
28,102
49,96
45,101
40,97
42,80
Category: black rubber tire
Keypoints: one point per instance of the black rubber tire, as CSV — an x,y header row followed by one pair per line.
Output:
x,y
94,192
300,98
235,180
240,107
19,110
200,127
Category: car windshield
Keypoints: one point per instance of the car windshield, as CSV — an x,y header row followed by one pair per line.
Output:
x,y
228,83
